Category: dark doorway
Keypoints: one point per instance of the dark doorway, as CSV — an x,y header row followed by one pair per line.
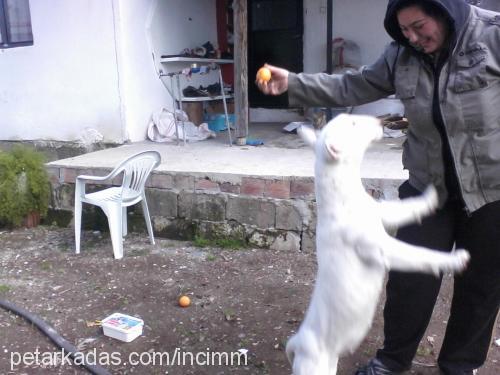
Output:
x,y
275,34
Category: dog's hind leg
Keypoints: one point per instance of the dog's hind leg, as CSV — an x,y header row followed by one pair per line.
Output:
x,y
334,361
310,366
307,358
410,210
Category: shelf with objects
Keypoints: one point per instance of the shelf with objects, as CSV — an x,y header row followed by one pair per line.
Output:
x,y
178,67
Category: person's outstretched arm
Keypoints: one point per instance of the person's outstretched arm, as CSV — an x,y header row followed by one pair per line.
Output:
x,y
278,83
368,84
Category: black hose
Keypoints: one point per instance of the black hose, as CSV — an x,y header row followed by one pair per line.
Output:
x,y
54,336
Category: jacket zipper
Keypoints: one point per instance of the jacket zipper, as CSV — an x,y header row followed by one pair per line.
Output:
x,y
447,151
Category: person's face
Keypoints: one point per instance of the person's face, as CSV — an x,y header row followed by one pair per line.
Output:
x,y
424,32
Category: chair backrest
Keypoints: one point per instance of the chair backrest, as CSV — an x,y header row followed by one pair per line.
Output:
x,y
136,170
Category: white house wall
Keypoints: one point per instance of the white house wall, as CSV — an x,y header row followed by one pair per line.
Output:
x,y
362,21
91,66
358,20
152,28
67,80
141,90
314,36
180,24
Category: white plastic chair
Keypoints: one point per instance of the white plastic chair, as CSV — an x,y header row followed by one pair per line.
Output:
x,y
115,200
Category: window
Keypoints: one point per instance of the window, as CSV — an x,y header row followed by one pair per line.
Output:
x,y
15,23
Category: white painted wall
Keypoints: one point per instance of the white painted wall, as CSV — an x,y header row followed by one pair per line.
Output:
x,y
141,91
180,24
314,36
147,28
360,21
67,80
91,66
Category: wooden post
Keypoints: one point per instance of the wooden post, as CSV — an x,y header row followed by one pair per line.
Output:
x,y
329,49
240,70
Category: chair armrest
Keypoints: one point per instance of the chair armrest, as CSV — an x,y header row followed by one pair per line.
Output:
x,y
80,182
93,178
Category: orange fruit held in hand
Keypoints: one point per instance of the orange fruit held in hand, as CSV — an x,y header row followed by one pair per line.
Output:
x,y
264,74
184,301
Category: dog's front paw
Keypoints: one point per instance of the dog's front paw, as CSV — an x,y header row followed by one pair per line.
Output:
x,y
454,262
430,197
426,204
462,258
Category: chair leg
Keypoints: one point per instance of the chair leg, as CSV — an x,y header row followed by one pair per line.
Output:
x,y
124,221
115,214
78,223
145,211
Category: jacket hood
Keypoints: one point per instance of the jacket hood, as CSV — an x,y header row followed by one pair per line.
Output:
x,y
456,11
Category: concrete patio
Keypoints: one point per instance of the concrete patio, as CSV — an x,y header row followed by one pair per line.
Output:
x,y
261,194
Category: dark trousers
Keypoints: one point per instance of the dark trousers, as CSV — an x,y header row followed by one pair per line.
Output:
x,y
476,298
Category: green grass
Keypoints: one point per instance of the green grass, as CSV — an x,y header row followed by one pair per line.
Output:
x,y
424,352
229,314
210,257
4,288
46,266
224,243
201,242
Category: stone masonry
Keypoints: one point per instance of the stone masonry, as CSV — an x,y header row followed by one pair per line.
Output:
x,y
265,212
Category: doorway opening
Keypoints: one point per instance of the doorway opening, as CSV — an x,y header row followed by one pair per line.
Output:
x,y
275,36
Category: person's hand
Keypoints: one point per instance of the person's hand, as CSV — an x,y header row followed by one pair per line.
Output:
x,y
278,83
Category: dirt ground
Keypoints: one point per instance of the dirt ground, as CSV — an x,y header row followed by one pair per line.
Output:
x,y
249,299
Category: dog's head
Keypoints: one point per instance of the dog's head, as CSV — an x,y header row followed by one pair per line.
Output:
x,y
344,138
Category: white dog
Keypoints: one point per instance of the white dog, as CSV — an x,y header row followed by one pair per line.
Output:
x,y
353,248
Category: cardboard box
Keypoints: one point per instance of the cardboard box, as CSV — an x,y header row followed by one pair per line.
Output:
x,y
217,106
194,111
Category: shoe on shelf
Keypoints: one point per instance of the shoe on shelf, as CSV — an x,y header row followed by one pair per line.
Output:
x,y
190,91
375,367
214,89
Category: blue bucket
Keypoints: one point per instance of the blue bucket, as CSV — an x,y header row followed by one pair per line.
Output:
x,y
217,121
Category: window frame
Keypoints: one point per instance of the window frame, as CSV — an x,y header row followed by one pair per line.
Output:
x,y
5,32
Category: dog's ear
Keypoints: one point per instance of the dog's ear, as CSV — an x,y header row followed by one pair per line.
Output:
x,y
332,151
308,135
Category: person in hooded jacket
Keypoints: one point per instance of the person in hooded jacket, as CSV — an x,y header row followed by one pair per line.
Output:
x,y
444,65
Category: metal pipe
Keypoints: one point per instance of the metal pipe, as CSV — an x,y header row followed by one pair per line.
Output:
x,y
225,107
51,333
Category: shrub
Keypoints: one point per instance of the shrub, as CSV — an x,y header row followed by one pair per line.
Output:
x,y
24,185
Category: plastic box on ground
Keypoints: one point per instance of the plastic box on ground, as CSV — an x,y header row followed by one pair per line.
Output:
x,y
217,121
122,327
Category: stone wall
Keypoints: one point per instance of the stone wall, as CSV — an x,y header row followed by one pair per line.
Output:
x,y
262,211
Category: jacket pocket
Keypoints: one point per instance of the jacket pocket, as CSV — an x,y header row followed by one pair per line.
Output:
x,y
470,71
405,81
486,155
